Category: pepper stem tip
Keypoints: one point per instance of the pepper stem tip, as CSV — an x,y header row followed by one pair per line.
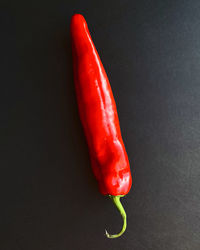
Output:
x,y
116,201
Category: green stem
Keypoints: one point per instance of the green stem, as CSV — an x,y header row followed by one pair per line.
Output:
x,y
116,200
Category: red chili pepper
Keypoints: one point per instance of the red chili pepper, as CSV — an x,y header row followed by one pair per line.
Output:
x,y
99,118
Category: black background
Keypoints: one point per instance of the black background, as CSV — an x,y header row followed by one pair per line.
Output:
x,y
49,197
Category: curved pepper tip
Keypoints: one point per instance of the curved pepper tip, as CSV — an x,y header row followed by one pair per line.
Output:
x,y
77,17
77,24
116,201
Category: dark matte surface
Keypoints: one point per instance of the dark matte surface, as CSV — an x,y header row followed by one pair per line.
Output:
x,y
49,198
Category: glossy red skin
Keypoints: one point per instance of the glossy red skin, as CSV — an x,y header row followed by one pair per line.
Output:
x,y
98,113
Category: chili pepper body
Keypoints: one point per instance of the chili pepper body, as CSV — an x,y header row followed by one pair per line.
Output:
x,y
98,114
